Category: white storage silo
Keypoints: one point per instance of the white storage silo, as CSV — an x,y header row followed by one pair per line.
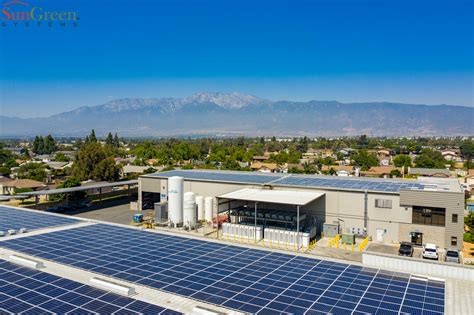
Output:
x,y
175,200
208,205
189,210
200,207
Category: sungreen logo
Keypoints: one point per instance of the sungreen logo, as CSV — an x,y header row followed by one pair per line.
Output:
x,y
18,12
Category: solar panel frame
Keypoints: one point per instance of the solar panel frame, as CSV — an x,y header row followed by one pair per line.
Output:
x,y
243,279
15,219
36,292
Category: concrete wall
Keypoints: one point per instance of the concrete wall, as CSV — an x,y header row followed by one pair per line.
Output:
x,y
452,202
431,234
411,265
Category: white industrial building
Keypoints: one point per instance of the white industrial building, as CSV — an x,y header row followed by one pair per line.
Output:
x,y
426,210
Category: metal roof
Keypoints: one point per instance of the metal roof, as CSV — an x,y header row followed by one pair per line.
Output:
x,y
288,197
79,188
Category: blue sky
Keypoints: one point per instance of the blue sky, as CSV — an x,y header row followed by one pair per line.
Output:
x,y
351,51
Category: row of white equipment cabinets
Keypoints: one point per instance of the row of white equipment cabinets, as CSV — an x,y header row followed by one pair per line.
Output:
x,y
276,237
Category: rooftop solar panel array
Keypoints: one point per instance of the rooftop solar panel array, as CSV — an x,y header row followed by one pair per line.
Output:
x,y
295,180
28,291
384,186
15,219
237,177
243,279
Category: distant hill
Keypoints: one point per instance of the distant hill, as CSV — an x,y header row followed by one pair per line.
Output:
x,y
238,114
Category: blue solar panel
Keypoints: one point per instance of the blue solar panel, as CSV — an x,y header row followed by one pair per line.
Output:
x,y
15,219
35,292
293,180
248,280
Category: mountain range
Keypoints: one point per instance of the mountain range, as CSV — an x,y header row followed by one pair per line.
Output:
x,y
231,114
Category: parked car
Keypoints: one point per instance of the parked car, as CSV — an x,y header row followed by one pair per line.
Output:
x,y
430,251
452,255
406,249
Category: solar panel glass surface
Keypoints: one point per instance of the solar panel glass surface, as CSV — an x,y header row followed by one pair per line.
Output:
x,y
244,279
294,180
15,219
28,291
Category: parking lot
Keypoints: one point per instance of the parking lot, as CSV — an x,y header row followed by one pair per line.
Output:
x,y
116,211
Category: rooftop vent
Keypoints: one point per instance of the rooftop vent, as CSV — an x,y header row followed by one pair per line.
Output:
x,y
26,262
112,286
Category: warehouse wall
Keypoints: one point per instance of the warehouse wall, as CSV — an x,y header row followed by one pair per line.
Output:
x,y
347,208
451,201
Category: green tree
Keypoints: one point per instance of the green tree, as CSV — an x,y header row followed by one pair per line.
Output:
x,y
49,145
109,139
38,144
116,141
92,137
72,196
402,160
146,150
365,160
95,162
34,171
396,173
467,152
430,159
106,170
362,142
60,157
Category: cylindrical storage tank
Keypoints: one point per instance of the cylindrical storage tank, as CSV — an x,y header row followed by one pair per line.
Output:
x,y
200,207
189,209
208,205
175,200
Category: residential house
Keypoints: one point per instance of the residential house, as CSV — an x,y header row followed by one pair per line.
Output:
x,y
469,179
133,169
241,164
450,155
10,187
260,158
341,170
58,165
264,167
311,153
346,151
286,168
384,157
429,172
379,171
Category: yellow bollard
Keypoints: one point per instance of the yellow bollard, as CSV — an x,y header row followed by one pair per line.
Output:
x,y
344,246
263,243
352,247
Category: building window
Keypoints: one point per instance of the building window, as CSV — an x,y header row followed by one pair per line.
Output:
x,y
455,218
383,203
454,241
428,216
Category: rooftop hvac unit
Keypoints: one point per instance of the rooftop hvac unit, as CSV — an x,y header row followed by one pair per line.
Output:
x,y
161,211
